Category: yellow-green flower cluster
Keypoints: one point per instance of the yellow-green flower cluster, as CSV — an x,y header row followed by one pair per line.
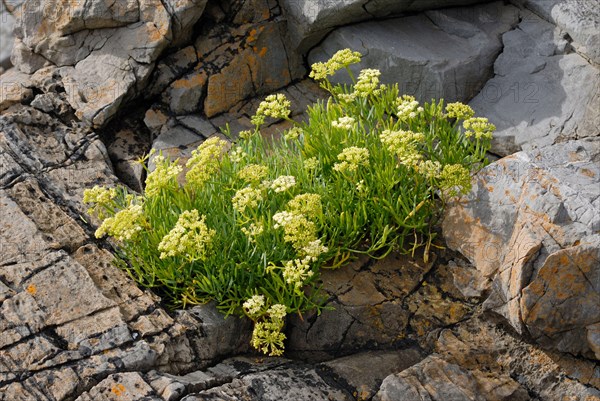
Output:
x,y
254,230
101,198
190,237
341,59
124,225
407,107
247,197
311,163
246,134
276,106
459,111
297,228
313,250
367,83
268,323
283,183
351,158
479,127
164,175
297,271
307,204
267,336
253,173
455,179
346,123
404,144
293,133
205,161
430,169
237,155
254,306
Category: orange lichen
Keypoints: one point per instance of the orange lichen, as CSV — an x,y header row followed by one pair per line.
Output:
x,y
32,289
118,389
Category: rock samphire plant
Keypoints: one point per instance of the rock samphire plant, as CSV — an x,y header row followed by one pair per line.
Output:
x,y
253,222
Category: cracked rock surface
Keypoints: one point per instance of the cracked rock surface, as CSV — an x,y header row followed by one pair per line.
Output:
x,y
446,53
530,226
542,91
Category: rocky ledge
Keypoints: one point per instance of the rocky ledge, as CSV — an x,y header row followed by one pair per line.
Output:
x,y
509,310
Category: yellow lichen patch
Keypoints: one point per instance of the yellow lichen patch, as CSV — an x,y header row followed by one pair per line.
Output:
x,y
32,289
190,81
118,389
262,52
587,172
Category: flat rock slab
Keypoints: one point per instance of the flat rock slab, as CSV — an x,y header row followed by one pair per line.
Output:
x,y
68,317
530,227
542,92
309,20
436,54
579,18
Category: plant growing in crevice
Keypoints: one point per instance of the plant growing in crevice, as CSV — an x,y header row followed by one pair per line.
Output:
x,y
252,224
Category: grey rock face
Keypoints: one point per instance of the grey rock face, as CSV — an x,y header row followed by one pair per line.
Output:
x,y
530,226
107,50
541,93
446,53
309,21
579,18
68,316
7,22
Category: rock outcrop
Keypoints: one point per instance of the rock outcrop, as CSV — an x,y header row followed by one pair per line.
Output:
x,y
518,319
310,20
542,92
437,54
530,226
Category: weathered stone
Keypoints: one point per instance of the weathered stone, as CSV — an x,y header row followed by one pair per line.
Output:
x,y
310,21
288,382
127,146
14,88
529,225
368,308
364,372
109,51
443,54
6,36
494,356
434,379
183,95
579,18
218,336
129,386
540,94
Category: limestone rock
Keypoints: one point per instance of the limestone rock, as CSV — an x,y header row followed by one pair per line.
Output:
x,y
530,226
579,18
368,308
364,372
437,54
6,36
309,21
541,94
107,53
14,88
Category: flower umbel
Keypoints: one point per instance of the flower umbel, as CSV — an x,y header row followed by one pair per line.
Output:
x,y
124,225
459,111
190,238
253,173
351,158
275,106
455,179
164,176
346,123
254,306
479,127
205,161
407,107
246,198
368,81
283,183
308,204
